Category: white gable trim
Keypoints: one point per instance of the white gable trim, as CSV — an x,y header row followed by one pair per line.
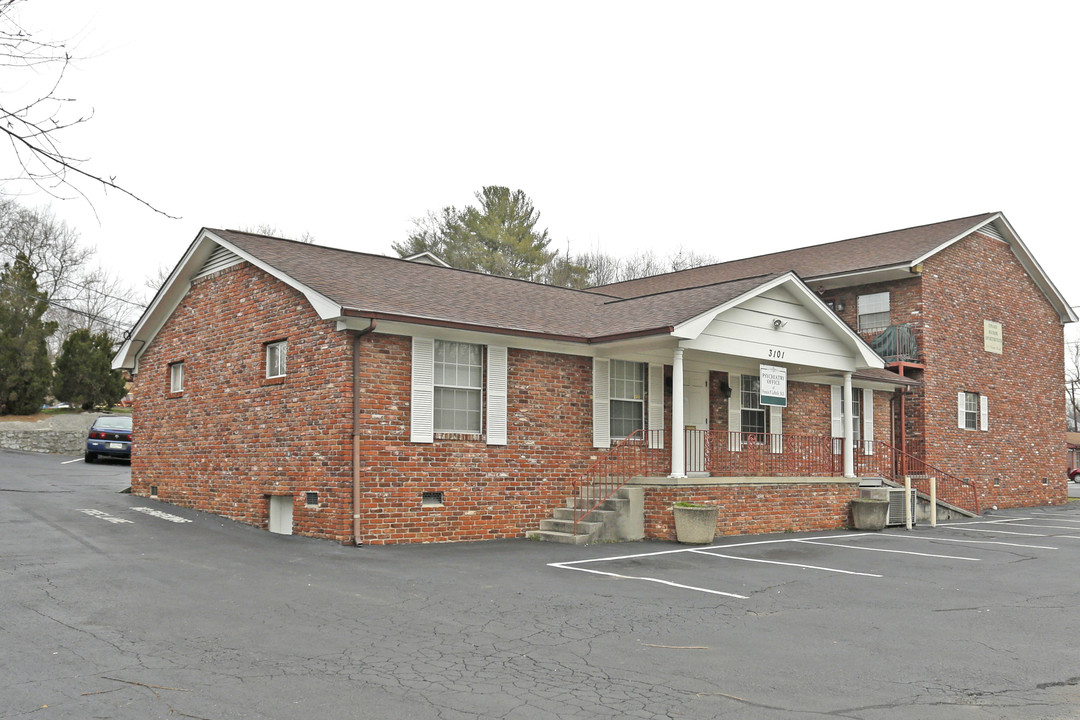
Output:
x,y
178,284
1027,260
858,351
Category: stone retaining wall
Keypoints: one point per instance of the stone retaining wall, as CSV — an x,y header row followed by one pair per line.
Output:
x,y
61,442
63,434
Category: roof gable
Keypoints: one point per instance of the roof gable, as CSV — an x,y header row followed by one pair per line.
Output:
x,y
782,321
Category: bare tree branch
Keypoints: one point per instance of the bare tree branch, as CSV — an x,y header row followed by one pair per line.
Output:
x,y
35,123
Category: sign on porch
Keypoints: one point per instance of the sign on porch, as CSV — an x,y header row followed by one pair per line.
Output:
x,y
773,385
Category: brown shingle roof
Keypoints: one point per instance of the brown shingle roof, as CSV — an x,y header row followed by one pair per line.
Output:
x,y
380,286
844,256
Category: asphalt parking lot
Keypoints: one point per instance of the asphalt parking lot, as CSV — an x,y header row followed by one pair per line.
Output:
x,y
120,607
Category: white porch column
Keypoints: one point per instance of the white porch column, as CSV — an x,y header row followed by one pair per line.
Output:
x,y
678,424
849,456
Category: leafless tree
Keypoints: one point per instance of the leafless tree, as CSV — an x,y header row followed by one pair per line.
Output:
x,y
79,294
604,269
1072,384
35,114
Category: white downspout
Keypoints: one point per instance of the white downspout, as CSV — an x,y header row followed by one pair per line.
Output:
x,y
678,424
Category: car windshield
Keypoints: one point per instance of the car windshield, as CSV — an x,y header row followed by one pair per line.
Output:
x,y
120,422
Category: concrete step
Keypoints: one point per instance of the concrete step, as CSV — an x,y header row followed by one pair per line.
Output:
x,y
612,504
567,526
594,516
557,537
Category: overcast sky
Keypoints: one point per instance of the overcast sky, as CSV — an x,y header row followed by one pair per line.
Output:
x,y
729,128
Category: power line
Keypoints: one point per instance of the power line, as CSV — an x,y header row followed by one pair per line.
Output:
x,y
97,318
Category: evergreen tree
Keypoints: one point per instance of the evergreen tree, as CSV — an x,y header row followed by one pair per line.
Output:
x,y
84,374
498,238
25,372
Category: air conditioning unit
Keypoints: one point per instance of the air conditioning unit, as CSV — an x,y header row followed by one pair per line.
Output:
x,y
896,506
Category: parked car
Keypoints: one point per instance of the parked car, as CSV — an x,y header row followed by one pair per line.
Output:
x,y
110,436
1074,475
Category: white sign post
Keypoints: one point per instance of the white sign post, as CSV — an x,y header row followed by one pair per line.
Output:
x,y
773,386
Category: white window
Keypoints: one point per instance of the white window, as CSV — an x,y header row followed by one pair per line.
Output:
x,y
458,382
972,411
176,377
275,359
627,396
754,418
862,420
873,311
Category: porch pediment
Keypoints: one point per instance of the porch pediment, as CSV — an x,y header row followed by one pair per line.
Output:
x,y
781,321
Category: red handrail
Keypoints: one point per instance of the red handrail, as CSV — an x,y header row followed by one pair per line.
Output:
x,y
878,457
629,458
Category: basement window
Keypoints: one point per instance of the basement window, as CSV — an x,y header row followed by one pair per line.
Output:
x,y
431,499
311,499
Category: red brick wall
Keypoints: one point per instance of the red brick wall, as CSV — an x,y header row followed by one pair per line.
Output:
x,y
488,491
232,437
979,279
750,509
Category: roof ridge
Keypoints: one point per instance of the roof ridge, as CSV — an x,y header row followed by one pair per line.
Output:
x,y
801,248
380,256
669,291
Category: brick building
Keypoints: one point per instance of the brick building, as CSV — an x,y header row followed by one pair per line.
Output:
x,y
369,399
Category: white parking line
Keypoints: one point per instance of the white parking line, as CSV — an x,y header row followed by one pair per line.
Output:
x,y
1006,532
777,562
970,542
1056,519
900,552
68,462
568,566
1046,527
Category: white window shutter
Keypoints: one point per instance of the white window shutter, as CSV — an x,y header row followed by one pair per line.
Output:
x,y
601,403
423,390
496,395
734,413
776,428
984,413
656,405
868,422
836,403
961,408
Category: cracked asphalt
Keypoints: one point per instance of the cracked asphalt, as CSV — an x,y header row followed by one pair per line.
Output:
x,y
113,612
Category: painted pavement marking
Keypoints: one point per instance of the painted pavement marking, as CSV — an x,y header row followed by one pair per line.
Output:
x,y
788,564
968,542
569,566
899,552
104,515
162,515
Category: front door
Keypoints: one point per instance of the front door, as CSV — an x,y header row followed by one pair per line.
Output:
x,y
696,419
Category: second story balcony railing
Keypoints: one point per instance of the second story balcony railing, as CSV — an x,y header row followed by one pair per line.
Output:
x,y
895,343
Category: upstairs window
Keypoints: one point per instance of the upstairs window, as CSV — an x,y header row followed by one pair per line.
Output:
x,y
275,359
458,383
176,377
874,311
627,396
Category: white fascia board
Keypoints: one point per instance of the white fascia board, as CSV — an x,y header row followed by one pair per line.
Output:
x,y
326,308
1034,269
179,282
168,296
866,357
